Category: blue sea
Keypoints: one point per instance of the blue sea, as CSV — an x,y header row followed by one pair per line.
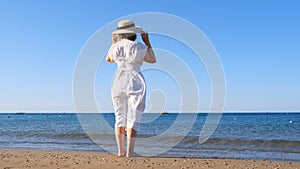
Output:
x,y
270,136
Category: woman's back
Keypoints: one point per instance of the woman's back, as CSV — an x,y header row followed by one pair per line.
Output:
x,y
128,52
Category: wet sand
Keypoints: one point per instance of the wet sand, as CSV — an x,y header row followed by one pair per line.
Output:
x,y
44,159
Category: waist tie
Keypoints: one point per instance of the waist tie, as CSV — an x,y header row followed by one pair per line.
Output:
x,y
129,67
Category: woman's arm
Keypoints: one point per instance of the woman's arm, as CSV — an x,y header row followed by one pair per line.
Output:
x,y
150,55
109,59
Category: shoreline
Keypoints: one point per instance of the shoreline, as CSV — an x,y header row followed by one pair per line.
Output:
x,y
48,159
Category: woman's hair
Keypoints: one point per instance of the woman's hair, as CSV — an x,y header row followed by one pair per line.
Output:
x,y
129,36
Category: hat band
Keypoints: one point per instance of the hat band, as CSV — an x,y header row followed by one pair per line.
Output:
x,y
126,26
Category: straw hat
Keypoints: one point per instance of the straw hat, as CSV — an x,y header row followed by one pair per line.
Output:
x,y
127,26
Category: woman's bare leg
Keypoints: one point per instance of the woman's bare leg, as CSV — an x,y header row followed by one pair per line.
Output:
x,y
131,135
120,136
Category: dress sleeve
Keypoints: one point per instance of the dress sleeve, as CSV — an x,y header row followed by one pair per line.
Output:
x,y
113,51
142,50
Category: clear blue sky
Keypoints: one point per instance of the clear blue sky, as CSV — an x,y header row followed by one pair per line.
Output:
x,y
257,41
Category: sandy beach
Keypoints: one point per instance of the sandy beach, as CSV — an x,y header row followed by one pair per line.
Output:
x,y
45,159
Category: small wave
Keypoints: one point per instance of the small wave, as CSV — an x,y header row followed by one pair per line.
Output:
x,y
81,136
60,143
68,135
243,144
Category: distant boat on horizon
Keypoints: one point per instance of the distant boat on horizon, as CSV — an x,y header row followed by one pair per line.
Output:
x,y
20,112
164,112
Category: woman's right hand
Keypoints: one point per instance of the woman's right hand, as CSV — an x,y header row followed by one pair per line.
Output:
x,y
150,55
145,38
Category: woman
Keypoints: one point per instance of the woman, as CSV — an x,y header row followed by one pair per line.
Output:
x,y
129,88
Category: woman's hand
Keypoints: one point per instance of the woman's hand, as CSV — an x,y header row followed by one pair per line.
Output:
x,y
150,56
109,59
145,38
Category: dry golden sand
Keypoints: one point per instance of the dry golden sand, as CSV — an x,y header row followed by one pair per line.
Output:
x,y
35,159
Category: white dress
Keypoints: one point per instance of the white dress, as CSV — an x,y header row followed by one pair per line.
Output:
x,y
129,88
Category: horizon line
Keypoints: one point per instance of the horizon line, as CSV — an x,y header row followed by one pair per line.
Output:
x,y
73,112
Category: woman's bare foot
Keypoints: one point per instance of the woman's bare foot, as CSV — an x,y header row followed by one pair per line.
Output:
x,y
132,155
122,154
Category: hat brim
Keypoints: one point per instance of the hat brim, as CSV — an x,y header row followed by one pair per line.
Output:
x,y
135,29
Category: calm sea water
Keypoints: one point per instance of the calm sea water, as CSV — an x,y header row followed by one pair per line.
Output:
x,y
272,136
